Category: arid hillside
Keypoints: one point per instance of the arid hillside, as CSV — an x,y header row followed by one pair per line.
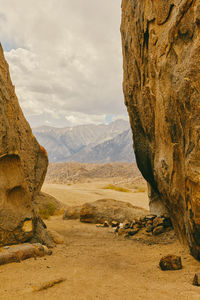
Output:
x,y
73,172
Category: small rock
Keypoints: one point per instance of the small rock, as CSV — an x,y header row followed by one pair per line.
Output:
x,y
99,225
132,224
116,229
121,231
114,223
137,221
150,217
132,232
138,226
106,224
149,227
170,262
158,230
149,234
126,225
149,222
112,230
196,280
158,221
167,223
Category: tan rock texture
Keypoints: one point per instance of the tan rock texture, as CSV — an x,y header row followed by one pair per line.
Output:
x,y
109,210
161,61
23,165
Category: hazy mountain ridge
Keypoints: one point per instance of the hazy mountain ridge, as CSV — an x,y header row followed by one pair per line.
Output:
x,y
88,143
117,149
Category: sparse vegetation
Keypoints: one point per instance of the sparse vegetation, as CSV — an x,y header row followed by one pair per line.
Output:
x,y
116,188
140,189
47,211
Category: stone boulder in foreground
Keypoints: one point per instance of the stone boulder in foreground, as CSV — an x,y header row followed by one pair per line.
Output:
x,y
23,165
161,61
103,210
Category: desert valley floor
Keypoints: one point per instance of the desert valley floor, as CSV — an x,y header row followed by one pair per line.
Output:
x,y
96,264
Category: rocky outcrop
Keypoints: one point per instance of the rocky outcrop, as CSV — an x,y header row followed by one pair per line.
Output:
x,y
108,210
104,210
23,165
161,61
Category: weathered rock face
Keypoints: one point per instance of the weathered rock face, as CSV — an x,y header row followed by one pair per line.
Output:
x,y
23,164
161,52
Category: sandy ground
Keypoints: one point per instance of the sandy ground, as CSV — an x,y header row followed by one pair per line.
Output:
x,y
96,264
80,193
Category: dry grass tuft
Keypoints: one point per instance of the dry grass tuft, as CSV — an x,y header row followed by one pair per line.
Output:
x,y
116,188
47,211
139,189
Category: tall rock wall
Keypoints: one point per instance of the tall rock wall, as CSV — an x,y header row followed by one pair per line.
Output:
x,y
23,165
161,61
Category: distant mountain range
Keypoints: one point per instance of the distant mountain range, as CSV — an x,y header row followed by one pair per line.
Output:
x,y
88,143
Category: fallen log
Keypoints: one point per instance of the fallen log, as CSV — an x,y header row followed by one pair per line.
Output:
x,y
21,252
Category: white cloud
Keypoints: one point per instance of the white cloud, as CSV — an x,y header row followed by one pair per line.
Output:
x,y
76,118
65,59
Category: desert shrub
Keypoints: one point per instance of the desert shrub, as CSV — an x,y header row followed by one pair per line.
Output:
x,y
141,190
47,211
116,188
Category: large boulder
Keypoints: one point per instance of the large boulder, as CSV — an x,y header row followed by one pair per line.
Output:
x,y
161,61
23,165
110,210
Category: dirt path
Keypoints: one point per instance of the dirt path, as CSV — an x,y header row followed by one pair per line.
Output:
x,y
98,265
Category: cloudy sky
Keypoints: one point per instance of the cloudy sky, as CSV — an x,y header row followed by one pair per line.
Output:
x,y
65,59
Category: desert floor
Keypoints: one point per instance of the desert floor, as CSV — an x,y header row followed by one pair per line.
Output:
x,y
96,264
80,193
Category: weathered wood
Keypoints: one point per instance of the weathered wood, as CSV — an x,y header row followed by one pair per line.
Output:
x,y
22,252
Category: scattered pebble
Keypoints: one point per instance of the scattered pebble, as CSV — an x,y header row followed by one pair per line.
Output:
x,y
106,224
153,225
114,223
158,230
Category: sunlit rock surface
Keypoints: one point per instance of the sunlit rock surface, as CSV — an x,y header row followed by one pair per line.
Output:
x,y
23,165
161,61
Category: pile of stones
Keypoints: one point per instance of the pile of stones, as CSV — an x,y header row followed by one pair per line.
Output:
x,y
152,224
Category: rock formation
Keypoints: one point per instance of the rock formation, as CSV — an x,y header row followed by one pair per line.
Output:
x,y
161,61
23,165
103,210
